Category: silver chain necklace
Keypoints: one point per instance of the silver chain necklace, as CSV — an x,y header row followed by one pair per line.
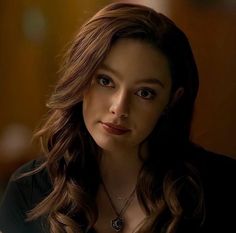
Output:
x,y
118,223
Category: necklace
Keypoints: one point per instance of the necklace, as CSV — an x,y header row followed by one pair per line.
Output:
x,y
118,223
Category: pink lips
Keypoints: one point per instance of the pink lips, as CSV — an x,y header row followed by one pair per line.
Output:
x,y
114,129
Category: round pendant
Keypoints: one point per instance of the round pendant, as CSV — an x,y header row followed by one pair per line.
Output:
x,y
117,224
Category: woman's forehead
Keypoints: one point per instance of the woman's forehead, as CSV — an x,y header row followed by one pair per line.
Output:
x,y
131,57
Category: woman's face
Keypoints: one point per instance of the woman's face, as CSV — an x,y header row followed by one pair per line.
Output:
x,y
127,95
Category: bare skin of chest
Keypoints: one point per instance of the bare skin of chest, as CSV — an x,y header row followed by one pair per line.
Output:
x,y
133,215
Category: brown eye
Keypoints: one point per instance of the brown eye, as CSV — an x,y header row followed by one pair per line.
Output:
x,y
146,93
104,80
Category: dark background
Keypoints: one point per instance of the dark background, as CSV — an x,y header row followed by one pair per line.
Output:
x,y
34,34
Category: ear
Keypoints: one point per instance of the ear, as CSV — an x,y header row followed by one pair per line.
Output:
x,y
177,95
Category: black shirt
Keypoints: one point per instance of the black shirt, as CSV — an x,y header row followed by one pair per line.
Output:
x,y
218,174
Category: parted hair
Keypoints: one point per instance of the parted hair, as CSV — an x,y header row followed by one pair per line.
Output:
x,y
166,180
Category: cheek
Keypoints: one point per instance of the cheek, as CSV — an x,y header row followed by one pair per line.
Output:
x,y
148,118
90,112
88,105
148,121
89,99
93,103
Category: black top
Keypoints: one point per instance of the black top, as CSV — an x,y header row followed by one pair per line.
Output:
x,y
218,174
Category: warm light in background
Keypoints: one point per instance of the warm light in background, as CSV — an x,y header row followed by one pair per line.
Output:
x,y
34,35
210,27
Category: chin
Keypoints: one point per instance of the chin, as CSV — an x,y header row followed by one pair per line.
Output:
x,y
106,144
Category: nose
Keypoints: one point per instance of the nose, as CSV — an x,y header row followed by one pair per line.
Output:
x,y
120,105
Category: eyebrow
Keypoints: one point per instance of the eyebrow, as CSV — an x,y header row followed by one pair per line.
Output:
x,y
146,81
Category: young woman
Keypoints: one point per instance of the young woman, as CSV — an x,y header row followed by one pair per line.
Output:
x,y
117,155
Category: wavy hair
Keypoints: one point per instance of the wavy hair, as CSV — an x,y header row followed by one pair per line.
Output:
x,y
166,180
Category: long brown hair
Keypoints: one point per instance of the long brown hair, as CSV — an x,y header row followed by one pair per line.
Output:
x,y
166,180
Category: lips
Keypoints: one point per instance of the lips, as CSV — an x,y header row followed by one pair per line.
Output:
x,y
114,129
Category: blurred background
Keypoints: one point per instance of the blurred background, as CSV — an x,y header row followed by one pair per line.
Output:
x,y
34,34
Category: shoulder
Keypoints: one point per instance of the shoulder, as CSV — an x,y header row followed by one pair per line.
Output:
x,y
26,189
38,183
218,176
217,171
21,195
208,161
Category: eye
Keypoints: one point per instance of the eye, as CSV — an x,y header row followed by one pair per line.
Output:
x,y
147,94
104,80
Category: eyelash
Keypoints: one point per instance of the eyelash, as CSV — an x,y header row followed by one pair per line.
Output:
x,y
152,93
103,77
100,78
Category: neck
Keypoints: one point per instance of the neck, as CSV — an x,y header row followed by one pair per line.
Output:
x,y
119,170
